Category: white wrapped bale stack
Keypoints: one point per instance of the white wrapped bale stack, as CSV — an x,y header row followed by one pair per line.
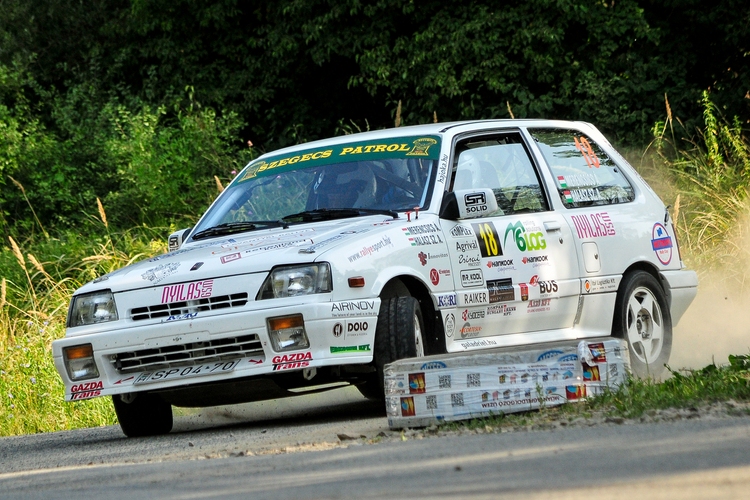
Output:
x,y
459,386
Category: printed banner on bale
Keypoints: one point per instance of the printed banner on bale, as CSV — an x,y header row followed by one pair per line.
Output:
x,y
423,391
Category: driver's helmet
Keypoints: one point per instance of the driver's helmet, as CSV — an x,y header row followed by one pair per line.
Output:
x,y
348,185
474,173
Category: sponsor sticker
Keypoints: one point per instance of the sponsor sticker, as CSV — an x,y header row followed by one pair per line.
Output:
x,y
434,276
350,348
461,231
593,285
468,331
187,291
178,317
446,300
161,272
477,344
368,250
450,325
503,309
525,240
475,202
422,234
594,225
292,361
471,278
86,390
500,265
231,257
402,147
661,243
338,330
500,290
539,305
474,298
351,308
356,328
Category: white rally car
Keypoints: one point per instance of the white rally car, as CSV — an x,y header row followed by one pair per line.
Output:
x,y
322,262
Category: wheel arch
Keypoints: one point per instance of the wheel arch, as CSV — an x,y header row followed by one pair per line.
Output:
x,y
653,271
433,334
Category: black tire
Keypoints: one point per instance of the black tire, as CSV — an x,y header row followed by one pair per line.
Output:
x,y
398,335
642,318
146,415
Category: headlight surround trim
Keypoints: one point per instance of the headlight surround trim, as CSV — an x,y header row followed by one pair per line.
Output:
x,y
296,280
92,308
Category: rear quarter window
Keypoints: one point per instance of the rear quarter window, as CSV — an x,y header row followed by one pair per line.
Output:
x,y
584,174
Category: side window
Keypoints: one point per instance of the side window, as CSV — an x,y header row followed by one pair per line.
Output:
x,y
584,174
502,164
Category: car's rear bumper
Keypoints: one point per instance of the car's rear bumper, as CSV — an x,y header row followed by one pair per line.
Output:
x,y
683,287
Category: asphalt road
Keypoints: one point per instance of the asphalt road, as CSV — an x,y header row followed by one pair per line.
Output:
x,y
314,450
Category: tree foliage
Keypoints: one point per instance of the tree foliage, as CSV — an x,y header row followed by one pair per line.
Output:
x,y
93,99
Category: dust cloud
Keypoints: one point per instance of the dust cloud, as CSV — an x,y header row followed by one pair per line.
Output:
x,y
716,325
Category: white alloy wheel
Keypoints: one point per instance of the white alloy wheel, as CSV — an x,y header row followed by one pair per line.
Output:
x,y
642,318
645,326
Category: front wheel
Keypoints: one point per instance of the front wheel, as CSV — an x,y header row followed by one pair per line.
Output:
x,y
143,414
642,318
399,335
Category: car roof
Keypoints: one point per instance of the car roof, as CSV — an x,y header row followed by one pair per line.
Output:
x,y
428,129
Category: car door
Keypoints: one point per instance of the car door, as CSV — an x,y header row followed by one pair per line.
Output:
x,y
515,270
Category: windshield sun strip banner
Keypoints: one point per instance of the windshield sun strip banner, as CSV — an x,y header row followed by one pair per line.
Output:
x,y
426,147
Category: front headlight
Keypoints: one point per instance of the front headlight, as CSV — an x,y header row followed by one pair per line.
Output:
x,y
91,308
292,281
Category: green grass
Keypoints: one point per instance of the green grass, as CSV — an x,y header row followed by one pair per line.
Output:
x,y
38,279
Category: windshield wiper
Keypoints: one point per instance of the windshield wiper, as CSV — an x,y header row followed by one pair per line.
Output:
x,y
237,227
336,213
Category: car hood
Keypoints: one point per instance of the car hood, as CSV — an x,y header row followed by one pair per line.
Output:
x,y
244,253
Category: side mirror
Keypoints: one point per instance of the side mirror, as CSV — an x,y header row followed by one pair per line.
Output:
x,y
177,238
468,204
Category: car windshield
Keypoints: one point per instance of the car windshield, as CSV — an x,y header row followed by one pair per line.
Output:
x,y
346,180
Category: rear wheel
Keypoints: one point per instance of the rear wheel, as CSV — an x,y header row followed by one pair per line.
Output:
x,y
642,318
143,414
399,335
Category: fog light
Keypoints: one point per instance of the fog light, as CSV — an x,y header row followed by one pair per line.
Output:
x,y
79,361
287,333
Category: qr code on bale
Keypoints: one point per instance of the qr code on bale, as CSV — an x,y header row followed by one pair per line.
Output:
x,y
431,402
457,399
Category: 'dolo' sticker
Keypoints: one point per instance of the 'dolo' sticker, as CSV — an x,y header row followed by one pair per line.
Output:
x,y
661,243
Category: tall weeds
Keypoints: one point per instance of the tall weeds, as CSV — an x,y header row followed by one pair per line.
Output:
x,y
34,296
712,171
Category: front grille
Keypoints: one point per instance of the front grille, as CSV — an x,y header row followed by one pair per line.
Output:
x,y
186,307
187,354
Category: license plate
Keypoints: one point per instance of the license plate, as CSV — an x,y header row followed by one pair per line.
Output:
x,y
187,372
